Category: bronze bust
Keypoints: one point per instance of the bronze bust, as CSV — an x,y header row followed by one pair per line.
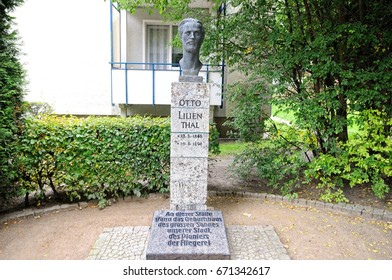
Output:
x,y
192,35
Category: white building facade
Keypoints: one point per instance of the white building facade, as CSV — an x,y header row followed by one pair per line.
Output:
x,y
66,47
89,58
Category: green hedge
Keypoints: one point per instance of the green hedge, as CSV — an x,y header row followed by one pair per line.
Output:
x,y
96,158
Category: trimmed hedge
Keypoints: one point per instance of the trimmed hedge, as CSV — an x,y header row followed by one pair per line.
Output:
x,y
96,158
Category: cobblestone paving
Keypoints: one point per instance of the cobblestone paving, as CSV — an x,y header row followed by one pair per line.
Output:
x,y
245,242
255,243
121,243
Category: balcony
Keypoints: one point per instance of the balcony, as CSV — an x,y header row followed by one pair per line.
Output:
x,y
137,83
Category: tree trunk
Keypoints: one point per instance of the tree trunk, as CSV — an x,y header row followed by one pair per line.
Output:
x,y
342,110
26,200
342,115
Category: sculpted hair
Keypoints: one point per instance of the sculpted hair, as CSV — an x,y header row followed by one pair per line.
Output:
x,y
188,20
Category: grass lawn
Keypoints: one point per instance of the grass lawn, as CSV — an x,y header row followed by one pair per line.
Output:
x,y
283,113
235,147
231,148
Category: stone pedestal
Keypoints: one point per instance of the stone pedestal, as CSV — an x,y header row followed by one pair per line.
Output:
x,y
188,235
188,231
190,109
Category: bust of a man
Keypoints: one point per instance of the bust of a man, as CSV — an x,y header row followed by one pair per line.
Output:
x,y
192,35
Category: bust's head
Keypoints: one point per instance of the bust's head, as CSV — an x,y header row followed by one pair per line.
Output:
x,y
192,34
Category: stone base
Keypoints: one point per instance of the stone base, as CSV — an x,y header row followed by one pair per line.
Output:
x,y
188,235
245,243
190,79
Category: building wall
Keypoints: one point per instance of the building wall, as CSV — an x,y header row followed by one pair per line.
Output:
x,y
66,46
67,54
135,34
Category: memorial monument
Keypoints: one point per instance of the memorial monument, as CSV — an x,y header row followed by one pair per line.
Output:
x,y
188,230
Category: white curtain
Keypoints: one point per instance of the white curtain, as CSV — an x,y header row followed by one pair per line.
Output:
x,y
158,44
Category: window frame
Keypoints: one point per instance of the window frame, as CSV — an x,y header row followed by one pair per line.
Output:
x,y
146,23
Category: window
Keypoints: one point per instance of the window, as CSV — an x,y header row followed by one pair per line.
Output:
x,y
159,45
116,35
176,51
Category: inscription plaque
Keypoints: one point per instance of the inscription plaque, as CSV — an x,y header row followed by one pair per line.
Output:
x,y
189,144
195,235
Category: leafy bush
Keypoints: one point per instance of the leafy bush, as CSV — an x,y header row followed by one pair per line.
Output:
x,y
96,158
279,159
213,140
249,113
365,159
282,159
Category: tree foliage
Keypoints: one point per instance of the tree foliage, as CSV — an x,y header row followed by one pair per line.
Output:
x,y
326,61
162,6
11,92
329,62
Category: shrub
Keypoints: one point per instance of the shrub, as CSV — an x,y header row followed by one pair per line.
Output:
x,y
365,159
275,160
97,158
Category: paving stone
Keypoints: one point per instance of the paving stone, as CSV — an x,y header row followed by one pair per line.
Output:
x,y
68,206
347,208
339,206
38,211
263,195
278,198
270,197
311,202
320,204
367,212
82,204
28,212
245,242
329,205
357,209
6,217
52,209
387,217
18,214
259,196
302,201
294,200
378,213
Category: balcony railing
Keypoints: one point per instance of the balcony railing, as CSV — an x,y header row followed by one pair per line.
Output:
x,y
140,83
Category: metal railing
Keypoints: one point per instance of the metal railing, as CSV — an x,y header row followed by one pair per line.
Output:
x,y
159,66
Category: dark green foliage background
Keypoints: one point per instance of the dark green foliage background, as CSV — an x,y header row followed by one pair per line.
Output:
x,y
11,94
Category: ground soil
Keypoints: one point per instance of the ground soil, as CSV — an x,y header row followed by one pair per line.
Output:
x,y
306,232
